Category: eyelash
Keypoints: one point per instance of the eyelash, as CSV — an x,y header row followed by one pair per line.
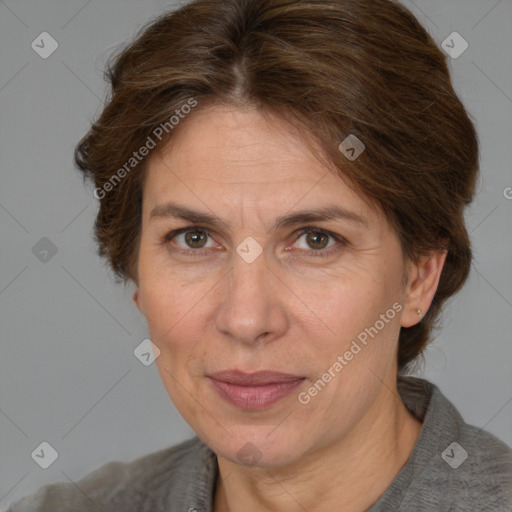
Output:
x,y
319,253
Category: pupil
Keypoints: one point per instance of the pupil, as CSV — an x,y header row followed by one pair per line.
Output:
x,y
315,236
193,237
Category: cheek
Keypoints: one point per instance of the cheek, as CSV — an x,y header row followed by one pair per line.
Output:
x,y
176,316
166,298
343,303
360,319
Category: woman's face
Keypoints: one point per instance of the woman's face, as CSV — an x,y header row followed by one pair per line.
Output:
x,y
252,291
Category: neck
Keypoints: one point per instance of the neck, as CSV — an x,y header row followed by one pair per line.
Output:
x,y
350,474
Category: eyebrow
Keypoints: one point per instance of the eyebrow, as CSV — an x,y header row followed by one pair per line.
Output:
x,y
325,213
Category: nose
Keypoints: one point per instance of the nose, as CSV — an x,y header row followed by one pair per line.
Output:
x,y
253,298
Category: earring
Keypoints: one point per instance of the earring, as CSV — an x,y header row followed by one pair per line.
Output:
x,y
419,312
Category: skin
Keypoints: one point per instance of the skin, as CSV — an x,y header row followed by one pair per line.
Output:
x,y
287,311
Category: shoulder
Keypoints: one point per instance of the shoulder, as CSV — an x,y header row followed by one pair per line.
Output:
x,y
123,486
484,476
454,463
472,473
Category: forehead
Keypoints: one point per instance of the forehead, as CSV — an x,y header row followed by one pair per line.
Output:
x,y
228,140
223,154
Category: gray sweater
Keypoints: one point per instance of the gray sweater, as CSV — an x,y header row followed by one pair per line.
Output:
x,y
454,467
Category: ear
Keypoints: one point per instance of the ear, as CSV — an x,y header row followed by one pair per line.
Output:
x,y
423,279
138,301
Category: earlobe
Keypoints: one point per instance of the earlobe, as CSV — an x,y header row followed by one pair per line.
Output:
x,y
422,285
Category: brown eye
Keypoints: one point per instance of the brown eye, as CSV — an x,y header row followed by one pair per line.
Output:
x,y
188,239
317,240
195,239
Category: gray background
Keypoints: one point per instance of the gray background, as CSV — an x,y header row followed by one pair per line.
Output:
x,y
68,373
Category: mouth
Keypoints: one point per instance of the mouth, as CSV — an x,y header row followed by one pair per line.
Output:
x,y
256,390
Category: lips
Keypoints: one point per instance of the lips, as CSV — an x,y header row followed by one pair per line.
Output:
x,y
256,390
260,378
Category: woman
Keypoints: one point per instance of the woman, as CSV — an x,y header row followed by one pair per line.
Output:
x,y
285,182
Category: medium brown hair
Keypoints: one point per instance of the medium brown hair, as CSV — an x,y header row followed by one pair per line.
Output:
x,y
331,67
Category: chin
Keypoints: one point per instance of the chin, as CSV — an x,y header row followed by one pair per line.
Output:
x,y
256,446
